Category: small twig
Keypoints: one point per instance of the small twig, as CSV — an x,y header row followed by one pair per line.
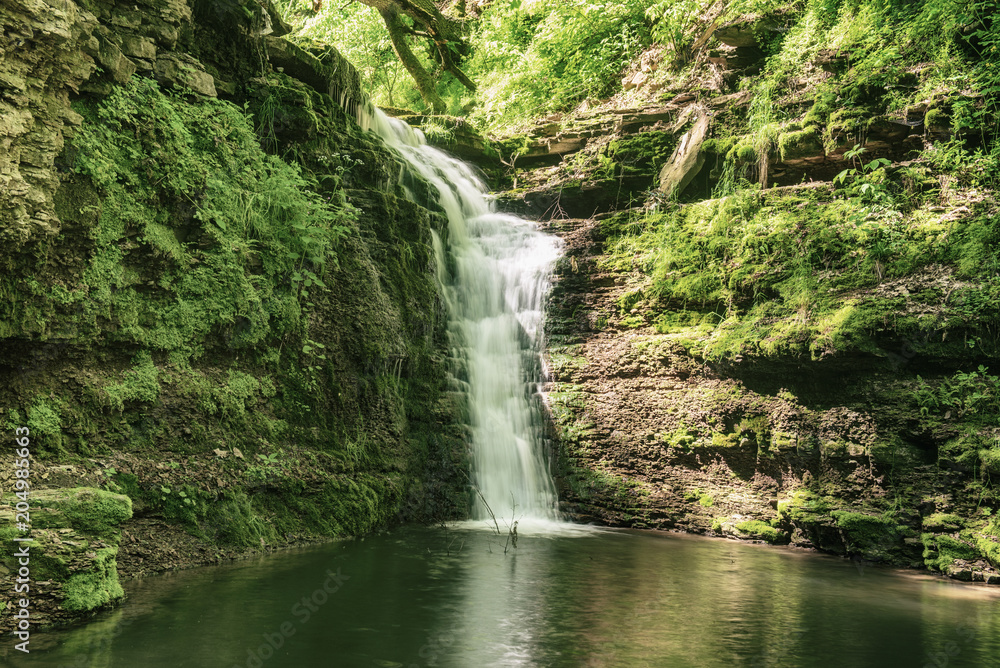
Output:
x,y
488,509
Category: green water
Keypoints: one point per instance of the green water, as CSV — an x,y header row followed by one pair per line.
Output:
x,y
451,597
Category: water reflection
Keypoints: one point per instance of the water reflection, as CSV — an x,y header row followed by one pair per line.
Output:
x,y
449,597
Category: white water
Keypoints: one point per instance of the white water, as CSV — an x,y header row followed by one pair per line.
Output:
x,y
494,292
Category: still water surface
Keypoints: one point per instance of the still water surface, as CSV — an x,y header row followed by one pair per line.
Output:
x,y
568,596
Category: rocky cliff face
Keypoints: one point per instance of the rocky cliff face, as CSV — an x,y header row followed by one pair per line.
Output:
x,y
786,358
219,320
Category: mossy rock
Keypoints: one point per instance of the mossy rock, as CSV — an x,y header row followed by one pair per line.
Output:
x,y
742,152
762,531
77,571
865,529
844,123
802,506
799,144
643,153
940,552
96,587
880,538
86,509
937,118
942,522
989,546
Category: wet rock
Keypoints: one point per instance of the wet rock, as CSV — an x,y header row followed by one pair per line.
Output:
x,y
458,138
325,70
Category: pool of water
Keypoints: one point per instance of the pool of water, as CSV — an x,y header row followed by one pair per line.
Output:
x,y
566,596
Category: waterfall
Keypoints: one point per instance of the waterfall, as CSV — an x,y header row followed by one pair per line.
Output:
x,y
494,277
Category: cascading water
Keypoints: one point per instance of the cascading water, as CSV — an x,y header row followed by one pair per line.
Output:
x,y
494,293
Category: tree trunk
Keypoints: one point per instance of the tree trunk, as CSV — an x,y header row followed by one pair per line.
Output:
x,y
446,32
425,84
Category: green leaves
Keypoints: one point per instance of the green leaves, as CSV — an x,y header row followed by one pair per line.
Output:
x,y
242,236
865,185
311,346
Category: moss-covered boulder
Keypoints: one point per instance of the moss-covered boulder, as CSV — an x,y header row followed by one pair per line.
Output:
x,y
72,553
85,509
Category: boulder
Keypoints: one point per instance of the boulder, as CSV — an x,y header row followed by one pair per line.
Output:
x,y
687,159
183,71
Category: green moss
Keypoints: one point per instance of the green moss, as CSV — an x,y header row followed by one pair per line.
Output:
x,y
819,113
140,383
936,118
989,547
86,509
719,146
761,530
96,588
742,153
644,153
681,437
704,499
45,422
803,506
941,551
781,441
800,144
871,535
844,122
251,209
724,440
942,522
776,275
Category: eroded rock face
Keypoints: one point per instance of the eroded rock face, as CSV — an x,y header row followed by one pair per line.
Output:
x,y
55,49
183,71
649,435
43,60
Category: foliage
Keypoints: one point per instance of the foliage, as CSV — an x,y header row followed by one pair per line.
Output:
x,y
776,273
176,173
45,422
973,400
533,58
529,57
965,393
140,383
359,33
673,21
864,182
